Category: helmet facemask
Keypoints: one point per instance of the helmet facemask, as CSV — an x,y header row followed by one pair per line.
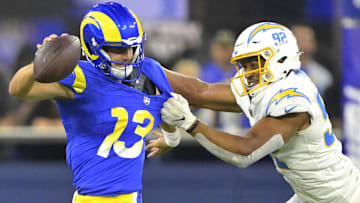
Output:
x,y
262,57
121,73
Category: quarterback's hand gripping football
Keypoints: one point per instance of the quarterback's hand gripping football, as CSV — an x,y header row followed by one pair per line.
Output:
x,y
176,112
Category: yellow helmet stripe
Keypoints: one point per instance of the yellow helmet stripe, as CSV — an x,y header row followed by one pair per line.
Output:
x,y
87,20
110,31
264,27
140,30
79,84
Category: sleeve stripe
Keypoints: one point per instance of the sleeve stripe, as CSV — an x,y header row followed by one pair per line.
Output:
x,y
79,84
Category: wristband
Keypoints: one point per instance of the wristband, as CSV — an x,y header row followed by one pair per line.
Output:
x,y
172,139
193,126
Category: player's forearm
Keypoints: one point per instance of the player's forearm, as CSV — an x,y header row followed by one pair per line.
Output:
x,y
22,82
235,144
244,150
219,152
218,97
189,87
240,161
201,94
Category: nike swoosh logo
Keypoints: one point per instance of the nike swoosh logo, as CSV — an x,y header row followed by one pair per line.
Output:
x,y
288,110
239,44
255,42
181,119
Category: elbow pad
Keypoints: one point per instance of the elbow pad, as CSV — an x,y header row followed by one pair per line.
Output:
x,y
274,143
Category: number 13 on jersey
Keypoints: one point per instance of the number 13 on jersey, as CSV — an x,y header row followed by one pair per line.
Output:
x,y
112,140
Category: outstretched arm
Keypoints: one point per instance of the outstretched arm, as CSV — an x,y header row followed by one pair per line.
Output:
x,y
23,84
257,136
268,135
217,96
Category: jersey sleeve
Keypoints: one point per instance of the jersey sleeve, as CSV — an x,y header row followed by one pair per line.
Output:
x,y
154,71
286,101
75,81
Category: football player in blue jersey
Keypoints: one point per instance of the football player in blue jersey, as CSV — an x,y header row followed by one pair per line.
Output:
x,y
112,101
108,105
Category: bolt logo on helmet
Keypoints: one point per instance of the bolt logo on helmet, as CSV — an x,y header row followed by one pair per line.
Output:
x,y
112,25
275,45
264,27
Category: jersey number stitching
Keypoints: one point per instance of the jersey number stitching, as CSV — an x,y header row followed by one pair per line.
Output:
x,y
113,138
329,137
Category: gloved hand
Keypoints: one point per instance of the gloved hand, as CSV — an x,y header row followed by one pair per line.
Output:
x,y
176,112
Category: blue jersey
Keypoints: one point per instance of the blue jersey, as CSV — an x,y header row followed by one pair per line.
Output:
x,y
106,125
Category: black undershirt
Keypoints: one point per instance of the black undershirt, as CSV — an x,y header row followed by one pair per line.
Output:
x,y
143,83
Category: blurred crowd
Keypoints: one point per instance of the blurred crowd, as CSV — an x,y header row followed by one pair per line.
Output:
x,y
16,112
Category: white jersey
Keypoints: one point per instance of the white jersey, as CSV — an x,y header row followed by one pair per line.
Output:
x,y
311,161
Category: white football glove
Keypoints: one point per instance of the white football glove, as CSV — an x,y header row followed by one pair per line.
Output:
x,y
176,112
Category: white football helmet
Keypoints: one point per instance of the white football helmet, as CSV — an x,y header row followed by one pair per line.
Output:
x,y
273,42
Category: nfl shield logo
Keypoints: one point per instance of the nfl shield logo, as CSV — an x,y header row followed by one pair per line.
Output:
x,y
146,100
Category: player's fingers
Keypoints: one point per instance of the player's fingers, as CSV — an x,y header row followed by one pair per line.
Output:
x,y
167,104
157,134
172,105
150,146
38,46
52,36
171,101
47,39
64,34
165,113
181,99
176,96
154,152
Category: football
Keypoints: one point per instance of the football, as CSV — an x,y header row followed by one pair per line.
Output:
x,y
56,59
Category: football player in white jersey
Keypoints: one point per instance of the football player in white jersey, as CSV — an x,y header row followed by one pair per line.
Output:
x,y
287,115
